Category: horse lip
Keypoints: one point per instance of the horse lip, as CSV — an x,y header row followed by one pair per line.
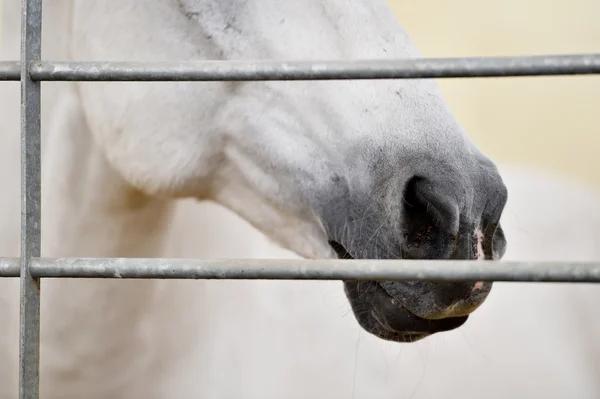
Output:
x,y
342,253
404,336
475,298
398,305
395,300
383,325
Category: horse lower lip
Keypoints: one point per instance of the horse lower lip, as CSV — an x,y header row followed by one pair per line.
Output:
x,y
409,336
414,336
384,325
399,305
374,315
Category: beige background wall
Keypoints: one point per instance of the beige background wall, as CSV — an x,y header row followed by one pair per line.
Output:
x,y
550,122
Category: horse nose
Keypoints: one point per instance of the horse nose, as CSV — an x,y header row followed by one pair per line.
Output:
x,y
430,218
452,215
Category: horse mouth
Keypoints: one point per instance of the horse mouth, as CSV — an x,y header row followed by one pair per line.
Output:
x,y
384,316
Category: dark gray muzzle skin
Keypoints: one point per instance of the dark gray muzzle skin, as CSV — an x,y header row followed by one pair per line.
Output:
x,y
426,209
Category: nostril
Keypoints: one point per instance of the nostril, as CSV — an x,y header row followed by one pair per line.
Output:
x,y
430,219
423,197
498,243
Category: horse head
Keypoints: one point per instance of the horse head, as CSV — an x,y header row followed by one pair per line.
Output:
x,y
375,169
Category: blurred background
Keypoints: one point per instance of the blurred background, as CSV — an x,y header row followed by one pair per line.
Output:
x,y
545,122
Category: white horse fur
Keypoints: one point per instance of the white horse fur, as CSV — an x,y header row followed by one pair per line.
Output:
x,y
301,162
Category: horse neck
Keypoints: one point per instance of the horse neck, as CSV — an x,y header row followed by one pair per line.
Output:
x,y
344,28
244,29
99,326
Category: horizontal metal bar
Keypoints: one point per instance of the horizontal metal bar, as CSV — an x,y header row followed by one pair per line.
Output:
x,y
413,68
10,70
10,267
298,269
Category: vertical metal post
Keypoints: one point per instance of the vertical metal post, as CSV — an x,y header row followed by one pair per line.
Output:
x,y
29,345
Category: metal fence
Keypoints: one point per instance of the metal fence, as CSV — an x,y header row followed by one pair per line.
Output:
x,y
30,267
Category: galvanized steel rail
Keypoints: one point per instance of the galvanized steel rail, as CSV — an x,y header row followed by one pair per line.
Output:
x,y
30,267
296,269
573,64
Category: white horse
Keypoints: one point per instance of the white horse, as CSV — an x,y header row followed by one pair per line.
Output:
x,y
363,169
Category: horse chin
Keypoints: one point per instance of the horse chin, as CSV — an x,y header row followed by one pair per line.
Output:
x,y
383,316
